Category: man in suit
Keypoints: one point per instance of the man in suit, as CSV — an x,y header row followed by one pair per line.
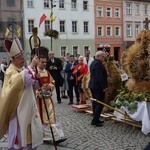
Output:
x,y
54,67
98,85
71,80
88,59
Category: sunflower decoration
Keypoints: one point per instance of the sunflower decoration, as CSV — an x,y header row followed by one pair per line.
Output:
x,y
129,99
136,63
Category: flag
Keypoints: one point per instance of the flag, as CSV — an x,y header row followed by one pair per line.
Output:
x,y
7,32
42,18
19,32
51,16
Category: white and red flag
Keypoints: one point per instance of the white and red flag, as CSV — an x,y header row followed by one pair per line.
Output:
x,y
42,18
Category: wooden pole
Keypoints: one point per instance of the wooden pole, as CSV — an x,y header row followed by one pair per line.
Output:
x,y
95,100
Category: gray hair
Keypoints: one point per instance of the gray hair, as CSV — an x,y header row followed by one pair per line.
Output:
x,y
99,53
50,52
80,57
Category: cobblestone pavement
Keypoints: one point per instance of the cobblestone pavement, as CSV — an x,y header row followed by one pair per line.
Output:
x,y
82,136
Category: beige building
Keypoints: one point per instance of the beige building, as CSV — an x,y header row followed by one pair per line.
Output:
x,y
134,13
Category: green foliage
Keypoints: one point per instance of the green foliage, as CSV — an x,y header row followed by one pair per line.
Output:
x,y
52,33
129,99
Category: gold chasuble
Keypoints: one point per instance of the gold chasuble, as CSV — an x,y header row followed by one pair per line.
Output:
x,y
45,78
10,97
15,98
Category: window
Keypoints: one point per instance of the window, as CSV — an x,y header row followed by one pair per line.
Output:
x,y
85,5
109,31
10,3
86,48
47,25
108,12
129,30
75,50
145,9
117,13
29,3
62,26
86,27
137,9
74,4
117,31
137,29
100,31
128,9
63,51
61,4
74,26
30,25
46,3
99,12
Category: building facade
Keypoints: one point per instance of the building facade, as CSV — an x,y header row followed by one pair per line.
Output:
x,y
134,13
10,22
109,26
74,20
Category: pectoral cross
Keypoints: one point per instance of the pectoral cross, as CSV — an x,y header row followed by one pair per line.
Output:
x,y
146,21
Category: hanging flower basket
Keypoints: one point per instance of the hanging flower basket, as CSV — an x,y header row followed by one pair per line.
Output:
x,y
52,33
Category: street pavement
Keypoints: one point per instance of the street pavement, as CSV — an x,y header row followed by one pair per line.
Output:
x,y
81,135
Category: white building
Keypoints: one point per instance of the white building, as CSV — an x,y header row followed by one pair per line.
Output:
x,y
74,22
134,13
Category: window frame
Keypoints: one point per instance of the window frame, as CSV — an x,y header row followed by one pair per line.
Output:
x,y
10,3
62,26
119,31
130,30
63,50
30,4
137,30
102,33
73,4
46,4
86,27
85,6
30,27
145,9
110,30
100,11
61,4
129,9
47,25
109,11
117,12
137,9
74,27
77,52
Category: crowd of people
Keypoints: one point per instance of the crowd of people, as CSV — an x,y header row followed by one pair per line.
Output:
x,y
31,112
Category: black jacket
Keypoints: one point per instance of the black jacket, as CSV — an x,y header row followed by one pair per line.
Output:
x,y
54,73
98,79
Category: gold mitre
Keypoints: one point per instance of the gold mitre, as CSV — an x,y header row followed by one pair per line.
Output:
x,y
14,47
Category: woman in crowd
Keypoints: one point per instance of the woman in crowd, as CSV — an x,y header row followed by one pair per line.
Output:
x,y
3,68
64,88
79,71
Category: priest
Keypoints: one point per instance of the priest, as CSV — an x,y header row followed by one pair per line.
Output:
x,y
18,110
